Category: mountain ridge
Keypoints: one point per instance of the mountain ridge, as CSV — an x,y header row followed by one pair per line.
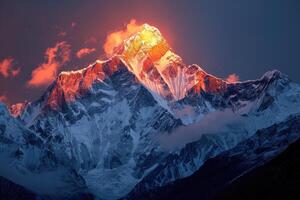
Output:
x,y
219,172
104,124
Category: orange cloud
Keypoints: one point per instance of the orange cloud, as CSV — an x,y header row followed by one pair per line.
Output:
x,y
114,39
233,78
6,68
46,72
85,51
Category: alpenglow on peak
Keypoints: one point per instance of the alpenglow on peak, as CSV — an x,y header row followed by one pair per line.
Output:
x,y
152,60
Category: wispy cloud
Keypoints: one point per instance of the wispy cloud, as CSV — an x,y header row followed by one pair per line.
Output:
x,y
114,39
233,78
55,57
7,68
85,51
216,122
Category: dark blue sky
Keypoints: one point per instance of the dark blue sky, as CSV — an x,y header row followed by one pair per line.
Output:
x,y
233,36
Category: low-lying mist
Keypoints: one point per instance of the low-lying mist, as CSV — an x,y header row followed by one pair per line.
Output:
x,y
216,122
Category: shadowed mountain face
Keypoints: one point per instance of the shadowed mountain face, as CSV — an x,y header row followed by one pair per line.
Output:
x,y
141,120
12,191
251,170
277,179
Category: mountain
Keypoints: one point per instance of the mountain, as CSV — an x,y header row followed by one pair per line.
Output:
x,y
256,105
27,162
105,133
135,122
233,174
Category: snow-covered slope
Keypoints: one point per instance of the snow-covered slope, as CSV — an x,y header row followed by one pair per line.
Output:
x,y
106,130
107,121
229,166
255,105
26,161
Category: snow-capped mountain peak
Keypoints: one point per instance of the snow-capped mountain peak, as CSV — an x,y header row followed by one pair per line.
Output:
x,y
148,56
103,121
151,59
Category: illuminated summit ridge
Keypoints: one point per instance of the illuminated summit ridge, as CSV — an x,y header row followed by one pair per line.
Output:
x,y
152,60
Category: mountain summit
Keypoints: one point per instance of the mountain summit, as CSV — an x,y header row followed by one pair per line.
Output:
x,y
147,55
151,59
153,62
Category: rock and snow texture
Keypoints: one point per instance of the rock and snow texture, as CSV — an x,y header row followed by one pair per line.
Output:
x,y
109,132
231,165
28,162
105,124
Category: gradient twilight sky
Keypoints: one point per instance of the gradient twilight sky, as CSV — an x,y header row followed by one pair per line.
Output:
x,y
245,37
